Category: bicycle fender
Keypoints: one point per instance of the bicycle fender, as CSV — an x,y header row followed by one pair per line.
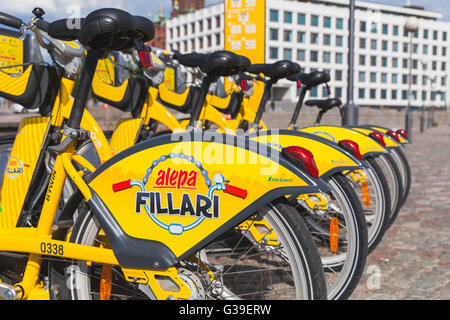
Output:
x,y
367,146
329,157
163,199
390,142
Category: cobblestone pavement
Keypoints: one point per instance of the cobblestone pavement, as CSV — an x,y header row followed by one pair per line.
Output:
x,y
413,259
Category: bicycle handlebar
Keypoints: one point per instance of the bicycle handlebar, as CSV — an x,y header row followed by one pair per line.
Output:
x,y
10,21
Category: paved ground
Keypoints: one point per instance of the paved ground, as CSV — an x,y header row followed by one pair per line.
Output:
x,y
413,259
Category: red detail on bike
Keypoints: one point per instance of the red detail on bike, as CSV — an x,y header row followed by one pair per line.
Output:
x,y
378,137
352,147
121,185
145,58
235,191
244,85
306,158
394,135
403,133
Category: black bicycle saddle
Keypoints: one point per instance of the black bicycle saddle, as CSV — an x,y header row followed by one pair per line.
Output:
x,y
108,29
278,70
219,63
312,79
325,104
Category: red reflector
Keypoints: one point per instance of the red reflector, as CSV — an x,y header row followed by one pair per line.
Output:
x,y
394,135
352,147
403,133
299,84
244,85
146,58
121,185
306,158
378,137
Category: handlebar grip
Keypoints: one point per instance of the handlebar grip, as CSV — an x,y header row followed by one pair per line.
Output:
x,y
123,185
10,21
235,191
42,25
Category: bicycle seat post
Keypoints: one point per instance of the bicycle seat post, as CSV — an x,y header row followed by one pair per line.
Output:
x,y
262,103
298,107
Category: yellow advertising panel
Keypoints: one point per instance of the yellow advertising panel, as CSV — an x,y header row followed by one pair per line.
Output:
x,y
245,28
11,54
105,70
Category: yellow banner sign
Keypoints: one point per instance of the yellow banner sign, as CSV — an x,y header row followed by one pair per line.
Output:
x,y
11,54
245,28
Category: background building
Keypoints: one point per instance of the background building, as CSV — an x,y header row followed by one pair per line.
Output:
x,y
315,35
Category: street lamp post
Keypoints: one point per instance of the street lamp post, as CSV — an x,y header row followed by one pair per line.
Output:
x,y
411,25
350,109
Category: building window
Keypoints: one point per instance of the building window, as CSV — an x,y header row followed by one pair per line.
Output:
x,y
373,77
300,37
384,45
444,36
217,21
362,26
362,76
327,57
273,53
374,28
373,93
394,94
395,46
425,33
425,49
314,56
395,30
361,93
288,17
315,20
301,19
288,54
338,75
314,38
383,94
200,26
339,58
435,35
405,79
339,41
327,22
405,63
314,92
274,34
301,55
362,43
385,29
209,23
338,92
339,24
394,62
404,94
287,35
274,15
435,49
326,39
394,78
373,61
384,78
217,39
373,44
362,60
384,61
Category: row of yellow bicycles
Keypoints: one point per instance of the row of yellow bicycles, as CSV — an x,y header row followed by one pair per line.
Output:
x,y
191,196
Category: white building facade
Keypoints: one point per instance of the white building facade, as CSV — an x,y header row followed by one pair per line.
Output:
x,y
315,35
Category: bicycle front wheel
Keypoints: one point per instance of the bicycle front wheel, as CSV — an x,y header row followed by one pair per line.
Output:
x,y
273,257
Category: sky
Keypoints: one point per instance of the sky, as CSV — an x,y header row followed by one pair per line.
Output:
x,y
57,9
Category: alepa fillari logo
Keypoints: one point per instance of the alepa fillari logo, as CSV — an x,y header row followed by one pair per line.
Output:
x,y
15,167
199,206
